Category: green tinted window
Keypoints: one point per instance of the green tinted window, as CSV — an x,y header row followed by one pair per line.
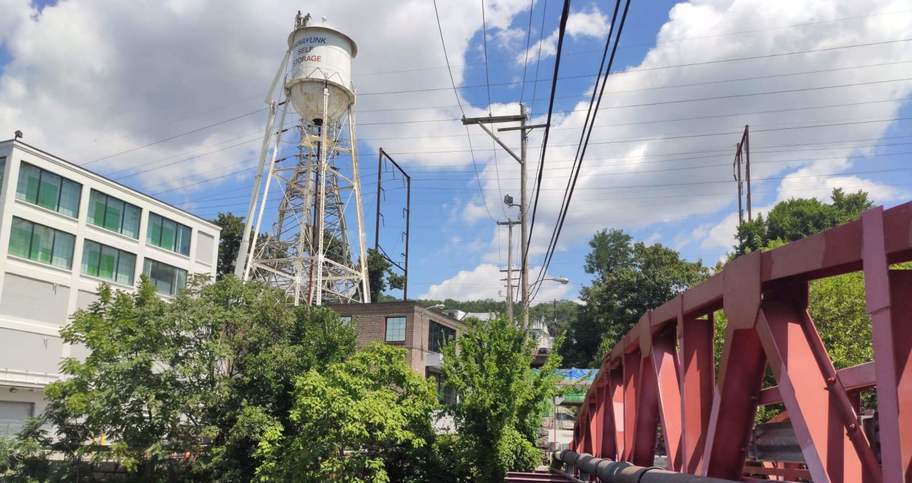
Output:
x,y
41,243
20,238
126,264
183,239
154,232
168,280
63,249
108,263
131,221
91,253
29,177
114,214
69,198
168,234
97,208
48,190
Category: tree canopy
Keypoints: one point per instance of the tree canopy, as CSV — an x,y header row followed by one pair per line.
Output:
x,y
630,278
206,375
501,399
797,218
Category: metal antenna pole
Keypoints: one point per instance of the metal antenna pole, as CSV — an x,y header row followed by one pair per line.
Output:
x,y
259,219
242,259
747,153
359,209
321,198
736,171
408,216
509,270
523,211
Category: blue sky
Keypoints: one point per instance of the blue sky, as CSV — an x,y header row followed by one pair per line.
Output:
x,y
166,100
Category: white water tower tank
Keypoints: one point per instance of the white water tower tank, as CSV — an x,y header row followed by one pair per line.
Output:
x,y
320,56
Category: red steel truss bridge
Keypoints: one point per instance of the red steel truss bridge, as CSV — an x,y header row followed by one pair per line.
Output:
x,y
663,372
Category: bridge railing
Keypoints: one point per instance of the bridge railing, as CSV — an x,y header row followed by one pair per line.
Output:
x,y
663,370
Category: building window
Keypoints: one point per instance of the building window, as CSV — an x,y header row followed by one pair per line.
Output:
x,y
346,320
2,170
48,190
439,335
168,280
113,214
108,263
168,234
395,329
41,243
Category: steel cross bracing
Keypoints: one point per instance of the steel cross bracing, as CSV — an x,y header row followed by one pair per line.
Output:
x,y
663,370
287,257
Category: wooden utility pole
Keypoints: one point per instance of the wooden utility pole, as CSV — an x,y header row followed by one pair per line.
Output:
x,y
523,205
509,270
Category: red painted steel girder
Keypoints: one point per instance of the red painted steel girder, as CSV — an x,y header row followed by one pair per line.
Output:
x,y
663,369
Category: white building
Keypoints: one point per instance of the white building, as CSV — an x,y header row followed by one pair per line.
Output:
x,y
63,230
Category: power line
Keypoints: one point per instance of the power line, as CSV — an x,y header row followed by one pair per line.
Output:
x,y
522,93
636,70
484,43
677,86
544,146
594,104
446,58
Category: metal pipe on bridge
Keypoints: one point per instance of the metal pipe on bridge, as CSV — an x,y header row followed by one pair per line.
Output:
x,y
584,466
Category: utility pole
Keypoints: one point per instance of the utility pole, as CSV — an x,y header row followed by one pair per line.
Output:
x,y
523,205
509,269
743,158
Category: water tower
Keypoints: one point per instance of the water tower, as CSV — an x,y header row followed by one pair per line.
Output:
x,y
306,248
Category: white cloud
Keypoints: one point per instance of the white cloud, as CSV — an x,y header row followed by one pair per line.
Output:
x,y
483,282
588,23
93,78
679,166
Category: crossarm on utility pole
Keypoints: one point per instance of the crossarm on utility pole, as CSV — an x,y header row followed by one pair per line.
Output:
x,y
501,143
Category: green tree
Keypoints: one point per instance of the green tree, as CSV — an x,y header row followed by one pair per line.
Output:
x,y
229,242
630,278
363,420
206,375
501,400
797,218
380,275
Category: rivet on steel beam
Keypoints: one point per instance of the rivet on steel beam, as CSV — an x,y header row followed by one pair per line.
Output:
x,y
831,380
853,427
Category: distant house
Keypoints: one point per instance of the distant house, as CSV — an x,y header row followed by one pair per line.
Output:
x,y
422,332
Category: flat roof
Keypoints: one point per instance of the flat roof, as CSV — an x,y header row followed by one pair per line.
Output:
x,y
22,144
390,307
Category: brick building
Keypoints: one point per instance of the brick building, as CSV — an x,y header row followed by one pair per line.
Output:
x,y
420,331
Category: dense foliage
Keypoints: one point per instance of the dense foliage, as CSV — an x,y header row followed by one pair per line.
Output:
x,y
367,418
502,400
797,218
228,382
630,278
205,376
381,275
